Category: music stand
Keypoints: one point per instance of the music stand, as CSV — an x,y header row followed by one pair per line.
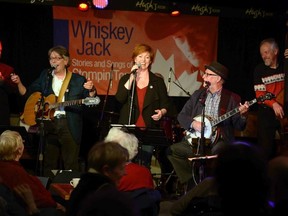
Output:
x,y
147,136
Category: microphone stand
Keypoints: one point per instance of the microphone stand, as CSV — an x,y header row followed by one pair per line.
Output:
x,y
41,126
42,137
202,137
130,114
105,99
177,84
182,88
132,98
169,80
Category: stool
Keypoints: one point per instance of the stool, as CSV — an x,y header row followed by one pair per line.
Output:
x,y
201,166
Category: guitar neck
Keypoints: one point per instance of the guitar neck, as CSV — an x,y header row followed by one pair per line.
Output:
x,y
230,113
66,103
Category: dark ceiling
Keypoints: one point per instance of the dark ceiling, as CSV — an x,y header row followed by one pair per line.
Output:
x,y
264,4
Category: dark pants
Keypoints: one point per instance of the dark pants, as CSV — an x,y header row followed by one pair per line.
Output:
x,y
61,151
178,155
267,127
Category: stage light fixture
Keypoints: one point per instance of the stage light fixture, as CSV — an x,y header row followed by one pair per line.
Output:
x,y
83,5
175,13
175,10
100,4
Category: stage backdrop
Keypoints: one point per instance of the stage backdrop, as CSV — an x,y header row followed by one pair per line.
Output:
x,y
101,45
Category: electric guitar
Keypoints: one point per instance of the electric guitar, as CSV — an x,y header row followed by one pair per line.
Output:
x,y
210,130
33,108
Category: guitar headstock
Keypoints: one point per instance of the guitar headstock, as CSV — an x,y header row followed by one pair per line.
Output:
x,y
89,101
267,96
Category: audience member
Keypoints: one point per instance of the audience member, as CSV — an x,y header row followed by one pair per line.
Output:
x,y
242,179
203,197
13,173
138,181
239,186
25,193
10,205
96,192
278,173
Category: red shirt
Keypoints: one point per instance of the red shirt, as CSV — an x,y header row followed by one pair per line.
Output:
x,y
12,174
141,95
136,177
268,79
5,73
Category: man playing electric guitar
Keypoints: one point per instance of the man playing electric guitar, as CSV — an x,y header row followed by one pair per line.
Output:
x,y
214,100
269,76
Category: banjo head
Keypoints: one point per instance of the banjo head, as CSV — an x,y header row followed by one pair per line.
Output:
x,y
208,130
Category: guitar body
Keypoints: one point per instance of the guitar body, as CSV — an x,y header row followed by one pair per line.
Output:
x,y
47,113
30,109
33,109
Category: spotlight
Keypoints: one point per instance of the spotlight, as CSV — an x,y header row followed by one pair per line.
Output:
x,y
100,4
175,10
175,13
83,5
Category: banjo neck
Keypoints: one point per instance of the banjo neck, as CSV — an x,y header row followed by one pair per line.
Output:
x,y
230,113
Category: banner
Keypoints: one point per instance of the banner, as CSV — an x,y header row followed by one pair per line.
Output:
x,y
101,42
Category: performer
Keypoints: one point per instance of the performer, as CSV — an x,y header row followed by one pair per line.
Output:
x,y
6,89
63,134
150,100
217,101
269,77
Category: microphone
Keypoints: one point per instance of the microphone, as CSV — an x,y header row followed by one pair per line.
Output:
x,y
111,76
53,67
169,80
207,84
204,93
135,70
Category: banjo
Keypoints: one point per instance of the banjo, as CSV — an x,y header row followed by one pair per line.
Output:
x,y
210,129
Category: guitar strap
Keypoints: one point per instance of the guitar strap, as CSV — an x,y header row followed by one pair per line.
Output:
x,y
225,96
64,86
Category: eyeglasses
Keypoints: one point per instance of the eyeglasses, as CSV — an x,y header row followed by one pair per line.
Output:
x,y
55,58
209,74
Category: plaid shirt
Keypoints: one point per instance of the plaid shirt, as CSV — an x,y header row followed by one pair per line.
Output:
x,y
212,104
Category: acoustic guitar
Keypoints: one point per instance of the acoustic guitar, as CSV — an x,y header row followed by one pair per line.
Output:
x,y
210,130
33,108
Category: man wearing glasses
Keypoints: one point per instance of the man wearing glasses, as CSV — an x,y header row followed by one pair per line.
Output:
x,y
197,117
